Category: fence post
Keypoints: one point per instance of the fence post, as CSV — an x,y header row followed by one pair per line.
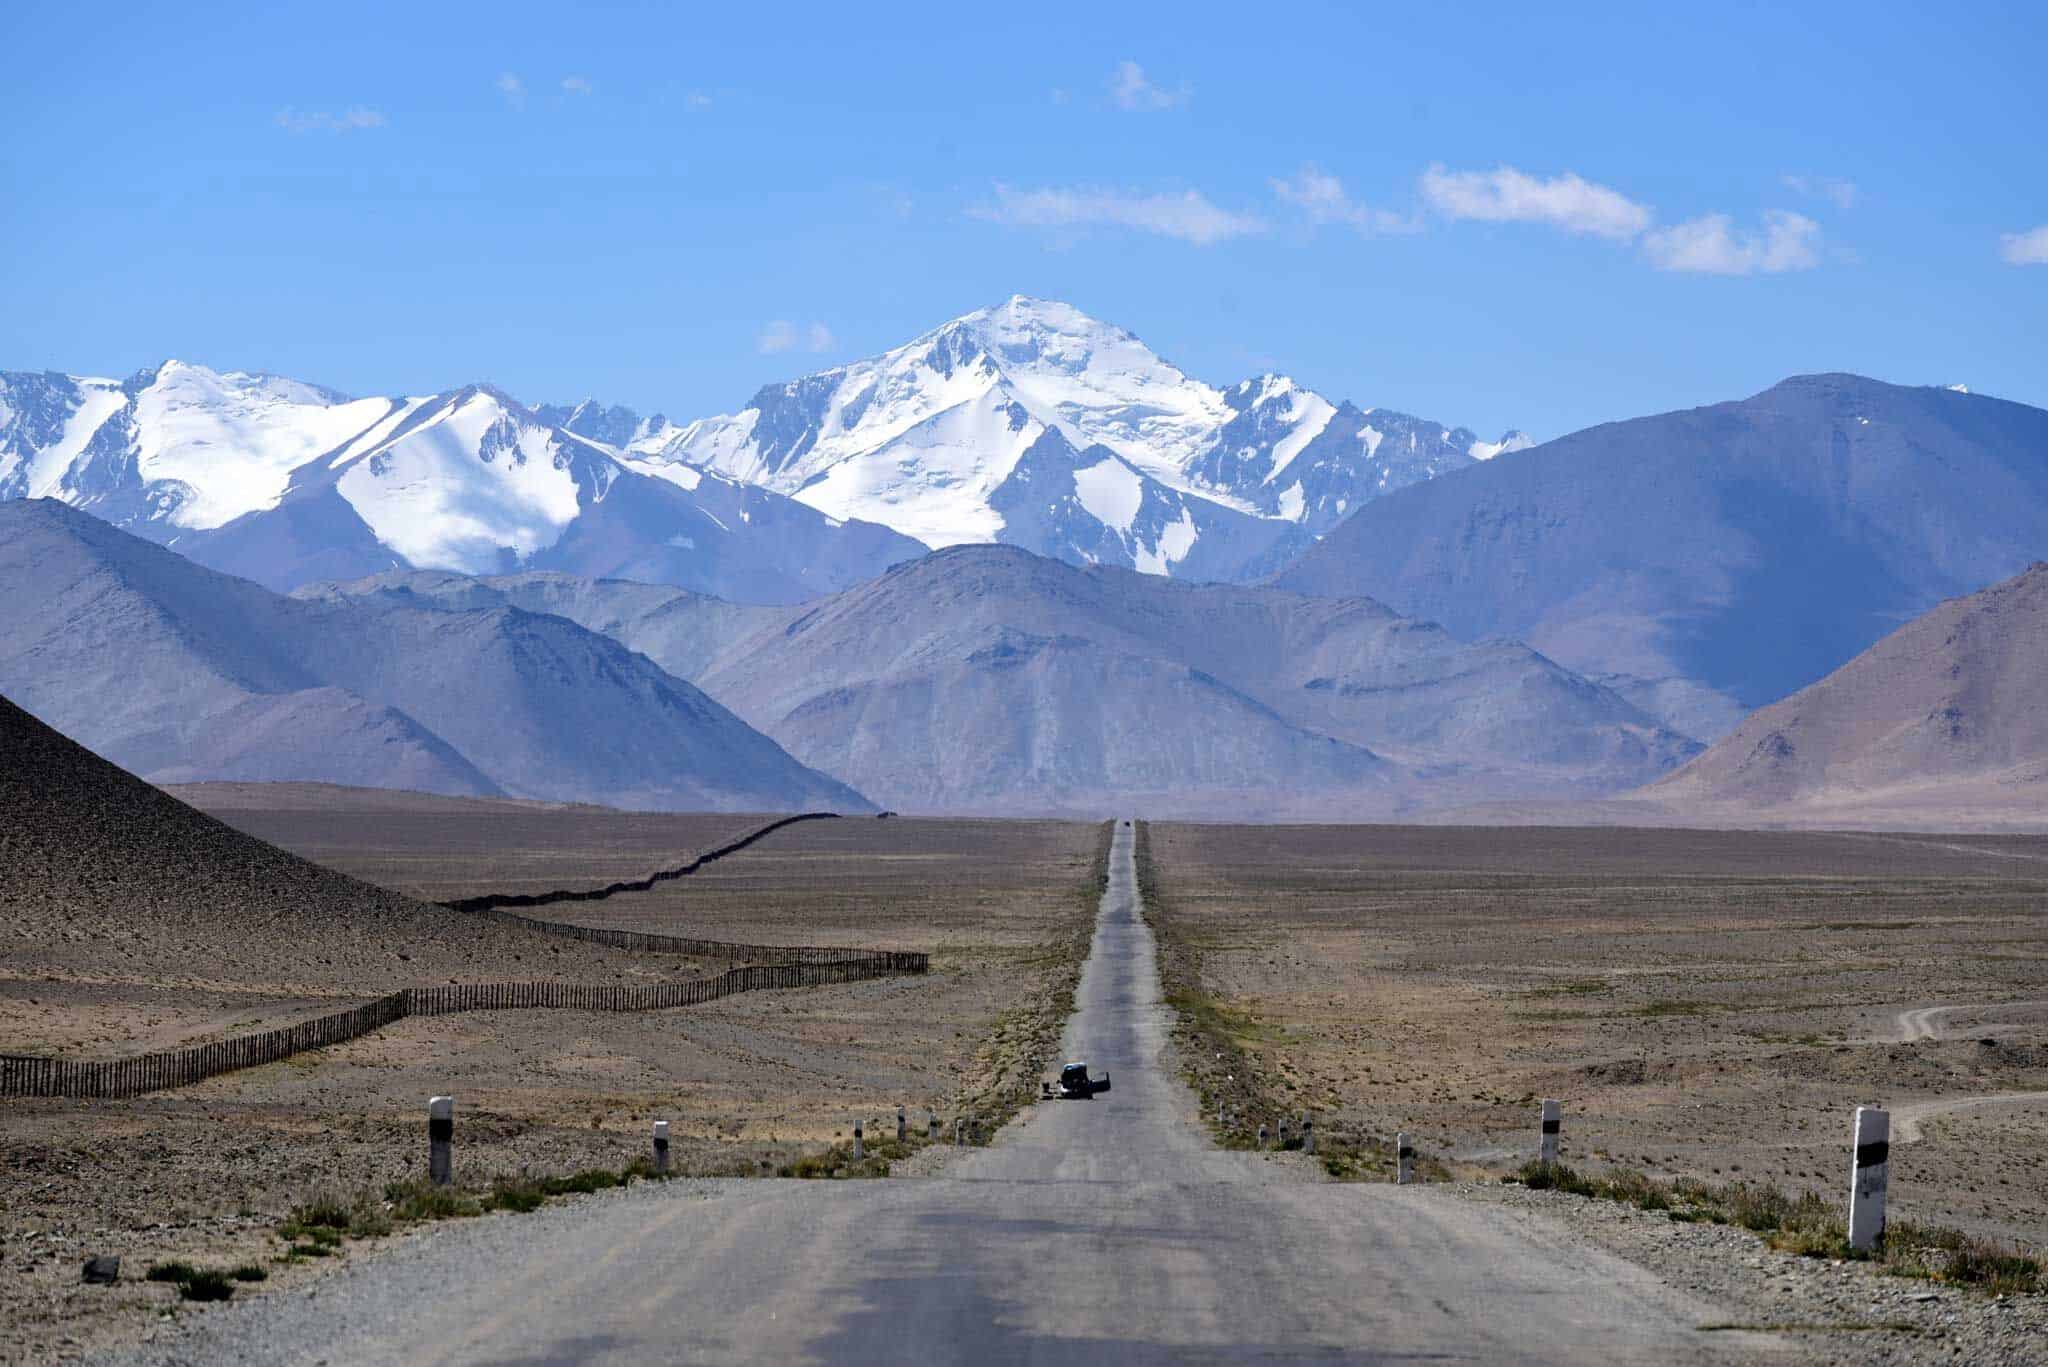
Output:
x,y
1404,1161
859,1151
1553,1125
1869,1177
661,1148
440,1140
902,1127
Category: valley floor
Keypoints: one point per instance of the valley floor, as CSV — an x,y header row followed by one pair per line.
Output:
x,y
1705,1003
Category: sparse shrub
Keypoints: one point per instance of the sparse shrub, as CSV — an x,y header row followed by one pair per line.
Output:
x,y
249,1272
421,1200
207,1285
589,1180
519,1194
326,1210
172,1271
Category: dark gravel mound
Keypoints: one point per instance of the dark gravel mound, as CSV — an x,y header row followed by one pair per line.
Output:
x,y
103,875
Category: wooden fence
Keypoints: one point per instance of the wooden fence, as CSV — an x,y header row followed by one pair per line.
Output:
x,y
30,1075
773,966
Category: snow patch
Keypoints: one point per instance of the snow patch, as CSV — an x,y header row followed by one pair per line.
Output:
x,y
1112,492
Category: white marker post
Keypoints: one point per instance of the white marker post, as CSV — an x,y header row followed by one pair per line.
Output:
x,y
902,1127
1868,1178
1553,1125
1308,1135
1283,1131
441,1140
859,1151
1404,1161
931,1126
1262,1136
661,1148
959,1129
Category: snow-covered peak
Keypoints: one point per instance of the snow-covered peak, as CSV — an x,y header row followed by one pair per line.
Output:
x,y
1511,440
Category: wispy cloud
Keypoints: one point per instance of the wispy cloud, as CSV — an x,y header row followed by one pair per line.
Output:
x,y
1506,195
1321,197
2025,249
1188,216
577,85
697,99
1133,90
319,121
1840,193
512,89
783,335
1712,245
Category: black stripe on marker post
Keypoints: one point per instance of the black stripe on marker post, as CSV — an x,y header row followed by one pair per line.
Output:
x,y
1870,1155
441,1129
1553,1126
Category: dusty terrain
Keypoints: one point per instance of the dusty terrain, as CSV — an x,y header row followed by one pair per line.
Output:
x,y
1705,1003
748,1082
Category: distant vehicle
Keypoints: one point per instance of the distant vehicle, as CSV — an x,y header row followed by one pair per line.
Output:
x,y
1075,1084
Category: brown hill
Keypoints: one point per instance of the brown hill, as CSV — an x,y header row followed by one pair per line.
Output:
x,y
105,878
1947,714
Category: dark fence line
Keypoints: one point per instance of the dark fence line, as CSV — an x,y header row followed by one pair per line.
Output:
x,y
490,901
30,1075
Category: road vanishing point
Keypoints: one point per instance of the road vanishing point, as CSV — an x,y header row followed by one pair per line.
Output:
x,y
1109,1231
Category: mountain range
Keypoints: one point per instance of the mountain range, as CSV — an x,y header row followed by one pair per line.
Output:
x,y
1708,562
179,673
988,679
283,482
1028,424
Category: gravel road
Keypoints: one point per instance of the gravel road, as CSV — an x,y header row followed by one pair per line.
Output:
x,y
1102,1231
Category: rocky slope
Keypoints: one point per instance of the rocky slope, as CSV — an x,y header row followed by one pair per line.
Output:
x,y
1950,709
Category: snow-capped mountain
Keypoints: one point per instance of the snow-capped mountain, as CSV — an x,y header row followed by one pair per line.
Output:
x,y
932,439
284,482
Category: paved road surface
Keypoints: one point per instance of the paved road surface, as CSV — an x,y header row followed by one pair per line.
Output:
x,y
1105,1231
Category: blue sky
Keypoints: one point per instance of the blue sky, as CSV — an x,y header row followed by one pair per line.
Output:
x,y
1483,215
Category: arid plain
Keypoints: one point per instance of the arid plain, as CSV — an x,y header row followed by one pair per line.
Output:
x,y
1711,1004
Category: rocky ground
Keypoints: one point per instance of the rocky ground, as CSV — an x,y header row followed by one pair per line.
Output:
x,y
1836,1312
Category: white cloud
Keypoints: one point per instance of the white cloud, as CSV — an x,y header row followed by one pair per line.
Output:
x,y
1321,197
1841,193
513,89
1131,89
1506,195
347,121
577,85
2025,249
697,99
783,335
1187,216
1711,245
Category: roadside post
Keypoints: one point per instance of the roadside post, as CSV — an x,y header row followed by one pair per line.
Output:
x,y
1283,1131
859,1151
959,1128
931,1126
1308,1135
1262,1136
441,1140
902,1127
1869,1177
1404,1161
1553,1125
661,1148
